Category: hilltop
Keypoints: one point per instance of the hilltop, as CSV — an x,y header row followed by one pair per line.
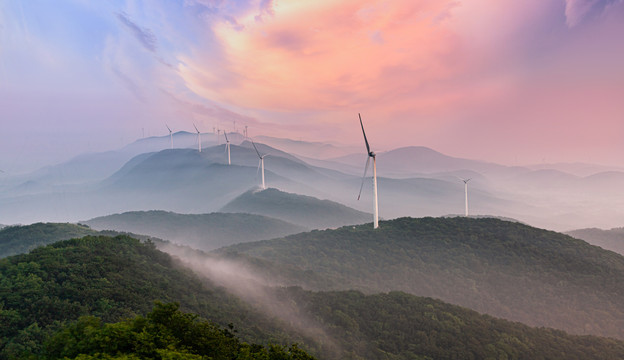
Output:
x,y
505,269
201,231
21,239
298,209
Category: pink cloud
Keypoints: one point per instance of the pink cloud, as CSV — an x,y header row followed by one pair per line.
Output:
x,y
327,56
452,72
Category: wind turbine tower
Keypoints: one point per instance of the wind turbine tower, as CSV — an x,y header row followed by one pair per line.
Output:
x,y
198,138
227,147
466,193
170,135
261,164
370,155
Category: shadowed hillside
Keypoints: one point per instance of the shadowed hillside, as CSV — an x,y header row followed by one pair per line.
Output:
x,y
502,268
201,231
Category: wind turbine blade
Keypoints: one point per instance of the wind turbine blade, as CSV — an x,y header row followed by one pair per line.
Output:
x,y
196,128
364,176
168,128
226,139
363,132
258,171
257,152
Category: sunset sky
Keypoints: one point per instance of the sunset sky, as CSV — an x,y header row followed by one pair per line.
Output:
x,y
513,82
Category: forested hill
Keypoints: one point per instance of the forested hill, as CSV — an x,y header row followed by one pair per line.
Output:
x,y
21,239
112,278
397,325
505,269
303,210
201,231
165,333
44,292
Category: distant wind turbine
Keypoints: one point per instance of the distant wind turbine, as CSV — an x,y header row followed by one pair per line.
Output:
x,y
261,164
227,147
370,155
198,138
170,135
466,192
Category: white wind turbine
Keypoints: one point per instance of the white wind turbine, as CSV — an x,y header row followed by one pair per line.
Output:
x,y
370,155
466,192
227,147
198,138
170,135
261,164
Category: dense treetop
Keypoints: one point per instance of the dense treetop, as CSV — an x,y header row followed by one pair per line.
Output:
x,y
111,278
165,333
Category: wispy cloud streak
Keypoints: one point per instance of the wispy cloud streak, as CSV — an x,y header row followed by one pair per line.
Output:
x,y
145,36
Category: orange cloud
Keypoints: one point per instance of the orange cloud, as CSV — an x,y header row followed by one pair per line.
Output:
x,y
328,55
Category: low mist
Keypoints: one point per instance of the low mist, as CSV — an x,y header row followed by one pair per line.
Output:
x,y
413,181
257,291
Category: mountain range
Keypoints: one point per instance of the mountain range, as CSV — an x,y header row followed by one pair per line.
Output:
x,y
45,292
200,231
413,181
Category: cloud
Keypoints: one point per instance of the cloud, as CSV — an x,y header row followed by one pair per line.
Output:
x,y
129,84
578,10
214,111
145,36
325,55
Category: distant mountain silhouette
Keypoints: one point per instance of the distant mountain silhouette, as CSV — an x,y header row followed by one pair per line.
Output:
x,y
298,209
612,239
308,149
414,160
200,231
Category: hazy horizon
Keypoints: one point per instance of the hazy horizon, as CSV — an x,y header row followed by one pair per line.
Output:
x,y
525,83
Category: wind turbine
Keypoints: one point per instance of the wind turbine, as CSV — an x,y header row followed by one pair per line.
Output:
x,y
170,135
466,192
261,164
227,147
198,138
370,155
